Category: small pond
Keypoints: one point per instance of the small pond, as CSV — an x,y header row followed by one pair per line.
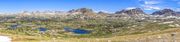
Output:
x,y
41,29
77,31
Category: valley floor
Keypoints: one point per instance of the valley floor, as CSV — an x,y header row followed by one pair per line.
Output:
x,y
161,36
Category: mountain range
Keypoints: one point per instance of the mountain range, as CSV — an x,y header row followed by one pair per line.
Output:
x,y
87,13
101,24
136,12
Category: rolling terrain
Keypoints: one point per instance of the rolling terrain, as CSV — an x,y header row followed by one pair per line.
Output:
x,y
85,25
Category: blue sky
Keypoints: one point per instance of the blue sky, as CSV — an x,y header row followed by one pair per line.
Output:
x,y
97,5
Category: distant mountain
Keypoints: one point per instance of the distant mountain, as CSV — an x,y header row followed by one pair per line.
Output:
x,y
81,11
178,12
86,13
102,12
166,12
134,11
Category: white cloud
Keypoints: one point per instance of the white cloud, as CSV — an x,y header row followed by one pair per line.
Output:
x,y
151,2
149,7
130,8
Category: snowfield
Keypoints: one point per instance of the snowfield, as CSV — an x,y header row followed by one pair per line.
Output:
x,y
5,39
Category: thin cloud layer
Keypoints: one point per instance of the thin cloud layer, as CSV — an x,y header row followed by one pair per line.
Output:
x,y
148,7
159,4
130,8
150,4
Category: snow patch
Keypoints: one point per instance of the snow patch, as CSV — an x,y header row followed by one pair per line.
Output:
x,y
5,39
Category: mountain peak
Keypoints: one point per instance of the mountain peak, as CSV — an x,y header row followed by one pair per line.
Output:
x,y
81,10
131,11
166,12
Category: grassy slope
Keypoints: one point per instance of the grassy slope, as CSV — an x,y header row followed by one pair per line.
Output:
x,y
130,38
150,35
100,26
